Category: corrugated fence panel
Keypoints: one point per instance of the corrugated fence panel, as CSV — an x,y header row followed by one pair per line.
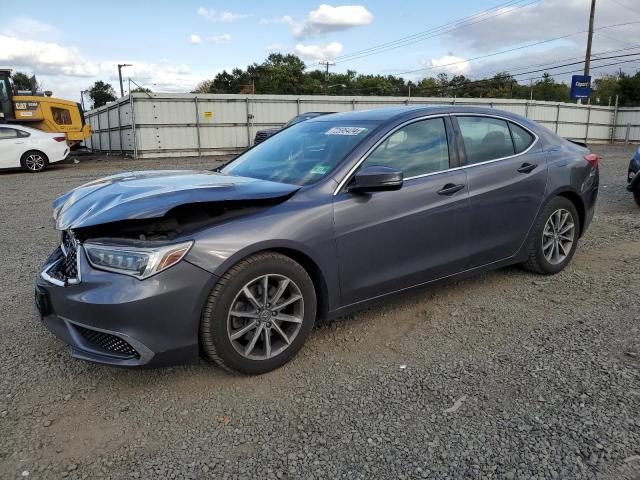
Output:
x,y
193,124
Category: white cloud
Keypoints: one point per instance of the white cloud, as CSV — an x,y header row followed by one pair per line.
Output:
x,y
65,71
194,39
319,52
223,39
263,21
276,48
328,19
546,20
29,27
45,57
449,64
214,16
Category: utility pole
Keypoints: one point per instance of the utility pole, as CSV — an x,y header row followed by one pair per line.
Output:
x,y
82,92
120,65
587,56
326,64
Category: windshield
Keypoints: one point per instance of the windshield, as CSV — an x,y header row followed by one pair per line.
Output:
x,y
301,118
303,153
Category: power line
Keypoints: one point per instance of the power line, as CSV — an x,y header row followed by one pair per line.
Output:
x,y
429,31
433,32
431,67
625,6
594,57
475,82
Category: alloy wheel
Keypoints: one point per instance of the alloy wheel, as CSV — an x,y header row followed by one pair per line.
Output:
x,y
265,317
34,162
558,236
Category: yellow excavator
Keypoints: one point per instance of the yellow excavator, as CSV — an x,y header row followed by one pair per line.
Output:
x,y
38,110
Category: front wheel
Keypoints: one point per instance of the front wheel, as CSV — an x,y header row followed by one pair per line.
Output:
x,y
554,237
259,314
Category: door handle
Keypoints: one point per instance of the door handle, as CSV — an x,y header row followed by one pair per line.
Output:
x,y
18,142
450,189
527,167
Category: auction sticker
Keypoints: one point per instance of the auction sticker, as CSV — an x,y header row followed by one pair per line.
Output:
x,y
345,131
320,169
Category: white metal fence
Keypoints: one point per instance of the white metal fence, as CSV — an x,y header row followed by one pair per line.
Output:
x,y
167,125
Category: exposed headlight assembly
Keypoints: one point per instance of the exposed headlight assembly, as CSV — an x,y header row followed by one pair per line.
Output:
x,y
135,261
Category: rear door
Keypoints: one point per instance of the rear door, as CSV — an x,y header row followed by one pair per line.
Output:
x,y
507,176
12,146
392,240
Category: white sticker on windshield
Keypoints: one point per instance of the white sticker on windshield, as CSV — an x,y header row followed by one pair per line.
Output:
x,y
345,131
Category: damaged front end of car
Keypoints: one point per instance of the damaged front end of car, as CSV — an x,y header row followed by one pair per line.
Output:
x,y
119,288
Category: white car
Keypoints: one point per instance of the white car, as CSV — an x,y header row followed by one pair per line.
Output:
x,y
29,148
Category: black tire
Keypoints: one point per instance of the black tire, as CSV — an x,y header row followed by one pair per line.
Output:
x,y
214,334
538,262
30,164
636,197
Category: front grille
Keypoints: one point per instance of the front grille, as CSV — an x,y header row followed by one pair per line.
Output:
x,y
66,270
106,341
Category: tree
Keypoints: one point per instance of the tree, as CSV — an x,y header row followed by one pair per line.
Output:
x,y
141,90
101,93
286,74
629,87
548,89
21,81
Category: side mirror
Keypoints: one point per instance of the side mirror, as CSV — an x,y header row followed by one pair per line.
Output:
x,y
376,179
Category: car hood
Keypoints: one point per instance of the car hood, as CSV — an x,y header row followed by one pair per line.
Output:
x,y
149,194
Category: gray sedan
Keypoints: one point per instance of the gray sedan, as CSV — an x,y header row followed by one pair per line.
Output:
x,y
328,216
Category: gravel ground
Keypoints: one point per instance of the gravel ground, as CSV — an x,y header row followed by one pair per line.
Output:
x,y
506,375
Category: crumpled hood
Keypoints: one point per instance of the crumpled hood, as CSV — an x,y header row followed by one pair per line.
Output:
x,y
149,194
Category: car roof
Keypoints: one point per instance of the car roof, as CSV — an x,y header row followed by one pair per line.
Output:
x,y
410,111
32,131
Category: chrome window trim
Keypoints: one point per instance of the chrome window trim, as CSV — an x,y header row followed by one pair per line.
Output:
x,y
351,171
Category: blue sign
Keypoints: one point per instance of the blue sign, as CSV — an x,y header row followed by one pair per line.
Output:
x,y
580,86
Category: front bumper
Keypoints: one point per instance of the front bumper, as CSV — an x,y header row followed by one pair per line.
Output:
x,y
119,320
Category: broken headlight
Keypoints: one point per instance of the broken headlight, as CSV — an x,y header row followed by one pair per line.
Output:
x,y
137,262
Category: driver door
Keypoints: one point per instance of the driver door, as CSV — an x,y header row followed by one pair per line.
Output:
x,y
391,240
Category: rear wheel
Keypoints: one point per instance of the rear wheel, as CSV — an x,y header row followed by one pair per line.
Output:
x,y
34,161
554,237
636,197
259,314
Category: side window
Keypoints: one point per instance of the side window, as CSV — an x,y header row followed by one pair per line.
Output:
x,y
8,133
485,138
61,116
416,149
521,138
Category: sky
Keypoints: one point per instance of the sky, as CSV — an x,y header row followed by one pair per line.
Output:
x,y
173,46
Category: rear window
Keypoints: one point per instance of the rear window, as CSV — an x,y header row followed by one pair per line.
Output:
x,y
8,133
485,138
521,138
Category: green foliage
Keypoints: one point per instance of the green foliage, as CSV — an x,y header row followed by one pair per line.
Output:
x,y
141,90
21,81
287,74
101,93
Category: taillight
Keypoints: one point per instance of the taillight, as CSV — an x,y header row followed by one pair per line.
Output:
x,y
60,139
593,159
